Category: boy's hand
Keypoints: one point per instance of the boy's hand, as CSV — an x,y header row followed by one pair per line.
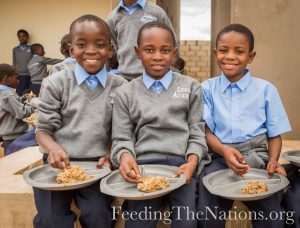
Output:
x,y
58,158
236,161
129,169
104,161
188,168
274,166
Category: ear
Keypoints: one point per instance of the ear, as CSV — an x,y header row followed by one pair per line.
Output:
x,y
215,53
110,51
175,51
137,51
71,50
251,56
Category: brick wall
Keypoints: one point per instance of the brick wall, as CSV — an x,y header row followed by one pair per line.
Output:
x,y
197,57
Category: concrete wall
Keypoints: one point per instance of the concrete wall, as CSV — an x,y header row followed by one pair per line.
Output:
x,y
46,22
275,24
197,57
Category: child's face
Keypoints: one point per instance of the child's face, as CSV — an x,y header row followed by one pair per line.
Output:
x,y
12,81
156,51
90,46
41,52
23,38
232,54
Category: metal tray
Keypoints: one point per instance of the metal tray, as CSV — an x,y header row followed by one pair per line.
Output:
x,y
44,176
293,157
227,184
115,185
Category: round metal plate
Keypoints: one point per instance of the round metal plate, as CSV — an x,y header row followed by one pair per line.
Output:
x,y
44,176
293,157
227,184
115,185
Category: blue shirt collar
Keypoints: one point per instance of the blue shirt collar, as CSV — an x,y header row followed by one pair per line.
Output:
x,y
241,84
140,3
4,87
165,80
81,75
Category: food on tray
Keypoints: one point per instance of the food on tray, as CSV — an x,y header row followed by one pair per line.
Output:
x,y
153,183
72,174
31,118
254,187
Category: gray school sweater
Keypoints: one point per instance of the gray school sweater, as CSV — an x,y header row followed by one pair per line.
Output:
x,y
78,118
21,59
12,112
150,125
38,67
124,29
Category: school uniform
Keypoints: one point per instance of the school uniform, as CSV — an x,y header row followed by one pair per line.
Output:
x,y
12,113
76,109
21,58
160,122
243,115
38,70
124,25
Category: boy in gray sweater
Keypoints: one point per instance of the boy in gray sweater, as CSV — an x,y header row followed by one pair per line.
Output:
x,y
21,58
12,110
125,22
74,123
157,119
38,66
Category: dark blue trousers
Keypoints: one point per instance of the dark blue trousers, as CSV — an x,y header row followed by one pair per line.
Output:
x,y
292,198
181,202
36,88
24,83
54,208
270,206
23,141
5,145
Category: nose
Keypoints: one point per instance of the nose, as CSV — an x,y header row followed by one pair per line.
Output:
x,y
157,55
230,54
91,49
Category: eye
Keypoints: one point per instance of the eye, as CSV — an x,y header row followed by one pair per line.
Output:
x,y
149,50
80,45
166,51
222,50
100,45
240,51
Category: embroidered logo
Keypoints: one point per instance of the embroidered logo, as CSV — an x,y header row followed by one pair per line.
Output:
x,y
112,95
181,93
148,18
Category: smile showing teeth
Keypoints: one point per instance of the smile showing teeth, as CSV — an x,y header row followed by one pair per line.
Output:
x,y
91,60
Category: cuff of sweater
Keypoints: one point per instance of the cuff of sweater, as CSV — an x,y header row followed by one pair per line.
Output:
x,y
197,150
116,159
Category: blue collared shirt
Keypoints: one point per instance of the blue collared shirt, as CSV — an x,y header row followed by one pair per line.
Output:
x,y
132,9
4,87
81,75
236,112
164,82
69,59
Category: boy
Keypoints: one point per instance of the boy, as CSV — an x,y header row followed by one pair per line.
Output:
x,y
64,50
12,110
244,120
124,22
21,58
156,120
74,123
38,66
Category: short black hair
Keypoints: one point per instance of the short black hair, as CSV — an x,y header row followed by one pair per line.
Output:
x,y
179,63
23,31
93,18
156,24
35,47
242,29
7,70
64,45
